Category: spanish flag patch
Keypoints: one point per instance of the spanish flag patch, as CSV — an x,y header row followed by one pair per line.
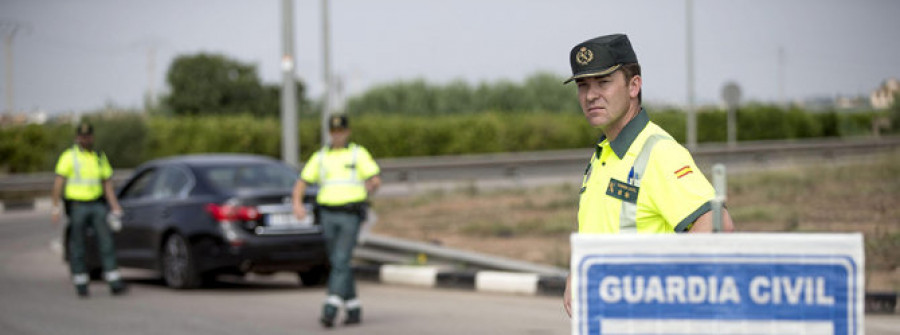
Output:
x,y
684,171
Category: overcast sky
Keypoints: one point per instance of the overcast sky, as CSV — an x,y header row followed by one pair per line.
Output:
x,y
79,55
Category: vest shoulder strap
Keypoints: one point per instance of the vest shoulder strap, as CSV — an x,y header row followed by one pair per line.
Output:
x,y
628,214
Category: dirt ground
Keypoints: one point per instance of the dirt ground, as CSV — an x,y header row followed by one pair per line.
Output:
x,y
534,224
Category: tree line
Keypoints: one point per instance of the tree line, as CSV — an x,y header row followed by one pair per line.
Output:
x,y
216,104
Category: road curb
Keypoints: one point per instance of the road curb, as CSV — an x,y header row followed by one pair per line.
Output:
x,y
515,283
40,204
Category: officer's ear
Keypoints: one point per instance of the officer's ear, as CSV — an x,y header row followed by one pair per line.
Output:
x,y
634,86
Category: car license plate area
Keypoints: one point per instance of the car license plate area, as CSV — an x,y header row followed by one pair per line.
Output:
x,y
281,220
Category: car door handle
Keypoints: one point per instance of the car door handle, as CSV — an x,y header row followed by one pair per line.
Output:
x,y
166,212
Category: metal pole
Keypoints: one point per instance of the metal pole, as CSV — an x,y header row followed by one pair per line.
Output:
x,y
326,60
721,187
8,41
689,55
781,99
151,69
289,139
732,126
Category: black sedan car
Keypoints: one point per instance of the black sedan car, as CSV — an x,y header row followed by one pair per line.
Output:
x,y
194,217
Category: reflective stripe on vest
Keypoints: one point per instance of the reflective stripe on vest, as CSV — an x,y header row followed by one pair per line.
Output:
x,y
77,179
628,215
354,177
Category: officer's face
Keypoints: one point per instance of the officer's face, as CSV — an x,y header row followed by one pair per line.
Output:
x,y
85,141
339,136
604,100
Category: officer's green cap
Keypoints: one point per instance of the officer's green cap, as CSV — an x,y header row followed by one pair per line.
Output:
x,y
84,129
600,56
338,122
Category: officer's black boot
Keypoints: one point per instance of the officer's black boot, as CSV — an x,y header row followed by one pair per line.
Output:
x,y
329,312
82,290
354,316
117,288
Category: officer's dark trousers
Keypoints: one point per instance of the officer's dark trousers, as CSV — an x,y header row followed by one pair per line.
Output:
x,y
340,229
81,215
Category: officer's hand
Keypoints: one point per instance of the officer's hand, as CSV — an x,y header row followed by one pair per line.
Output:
x,y
567,297
54,217
300,212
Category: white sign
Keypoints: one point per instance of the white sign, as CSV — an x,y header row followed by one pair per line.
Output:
x,y
718,284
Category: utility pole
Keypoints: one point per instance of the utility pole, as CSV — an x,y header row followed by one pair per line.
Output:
x,y
326,60
151,69
781,96
289,138
689,56
10,29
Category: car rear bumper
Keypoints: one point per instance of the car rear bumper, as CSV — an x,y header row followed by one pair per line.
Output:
x,y
269,253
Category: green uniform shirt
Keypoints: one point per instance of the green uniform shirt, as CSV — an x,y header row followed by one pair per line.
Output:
x,y
85,172
345,172
673,192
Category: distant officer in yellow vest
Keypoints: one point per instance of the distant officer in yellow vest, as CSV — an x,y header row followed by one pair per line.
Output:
x,y
347,175
639,179
86,173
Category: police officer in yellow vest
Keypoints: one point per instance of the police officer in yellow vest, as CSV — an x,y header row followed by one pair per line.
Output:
x,y
347,175
85,173
639,179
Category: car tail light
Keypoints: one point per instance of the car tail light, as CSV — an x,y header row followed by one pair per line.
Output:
x,y
227,215
232,213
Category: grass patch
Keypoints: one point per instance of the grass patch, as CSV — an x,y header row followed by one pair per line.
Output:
x,y
861,195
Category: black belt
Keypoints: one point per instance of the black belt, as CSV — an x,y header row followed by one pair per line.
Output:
x,y
349,208
98,200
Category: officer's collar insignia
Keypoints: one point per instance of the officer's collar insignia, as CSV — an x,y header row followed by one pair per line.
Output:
x,y
584,56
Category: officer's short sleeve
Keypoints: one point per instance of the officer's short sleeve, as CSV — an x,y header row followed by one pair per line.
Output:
x,y
310,173
64,164
106,170
680,192
368,168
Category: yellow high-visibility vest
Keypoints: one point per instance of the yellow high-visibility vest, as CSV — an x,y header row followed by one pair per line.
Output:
x,y
642,182
341,174
85,172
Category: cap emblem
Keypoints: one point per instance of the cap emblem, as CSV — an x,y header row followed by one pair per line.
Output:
x,y
584,56
335,122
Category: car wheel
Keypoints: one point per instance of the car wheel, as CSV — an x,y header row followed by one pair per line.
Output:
x,y
178,264
313,277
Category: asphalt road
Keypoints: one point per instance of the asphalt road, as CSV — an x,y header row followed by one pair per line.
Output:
x,y
36,298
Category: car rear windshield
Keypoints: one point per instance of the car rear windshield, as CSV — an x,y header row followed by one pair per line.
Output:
x,y
249,176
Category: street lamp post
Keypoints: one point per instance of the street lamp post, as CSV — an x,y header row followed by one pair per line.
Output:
x,y
289,141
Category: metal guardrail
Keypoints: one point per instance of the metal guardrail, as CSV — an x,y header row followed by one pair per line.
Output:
x,y
543,163
383,249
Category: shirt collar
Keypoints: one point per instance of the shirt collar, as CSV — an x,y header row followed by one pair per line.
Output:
x,y
346,146
630,132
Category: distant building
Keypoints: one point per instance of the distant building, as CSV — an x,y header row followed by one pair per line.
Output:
x,y
883,97
833,103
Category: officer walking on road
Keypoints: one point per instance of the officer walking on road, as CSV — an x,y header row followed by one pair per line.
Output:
x,y
347,175
639,179
86,174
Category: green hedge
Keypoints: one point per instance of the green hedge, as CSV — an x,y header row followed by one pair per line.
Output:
x,y
130,138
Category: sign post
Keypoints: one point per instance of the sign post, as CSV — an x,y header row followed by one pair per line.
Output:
x,y
719,284
731,93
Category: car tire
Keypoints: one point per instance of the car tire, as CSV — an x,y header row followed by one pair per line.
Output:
x,y
313,277
178,270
